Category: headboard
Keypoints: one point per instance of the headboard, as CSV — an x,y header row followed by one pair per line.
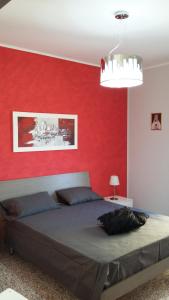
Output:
x,y
20,187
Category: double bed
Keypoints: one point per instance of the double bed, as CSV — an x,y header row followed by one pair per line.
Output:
x,y
70,245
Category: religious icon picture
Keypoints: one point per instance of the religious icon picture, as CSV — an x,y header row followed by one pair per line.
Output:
x,y
156,121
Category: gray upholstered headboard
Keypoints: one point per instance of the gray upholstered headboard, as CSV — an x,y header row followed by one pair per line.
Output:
x,y
20,187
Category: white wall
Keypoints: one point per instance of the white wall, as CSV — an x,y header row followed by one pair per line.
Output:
x,y
148,151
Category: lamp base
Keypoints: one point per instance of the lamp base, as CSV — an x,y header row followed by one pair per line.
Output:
x,y
113,198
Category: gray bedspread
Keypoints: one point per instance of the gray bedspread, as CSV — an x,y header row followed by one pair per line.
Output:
x,y
69,244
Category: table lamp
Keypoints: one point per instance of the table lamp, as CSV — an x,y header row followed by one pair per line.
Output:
x,y
114,181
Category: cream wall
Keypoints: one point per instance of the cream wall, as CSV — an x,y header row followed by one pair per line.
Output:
x,y
148,151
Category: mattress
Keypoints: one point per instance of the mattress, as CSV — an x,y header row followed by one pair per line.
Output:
x,y
69,244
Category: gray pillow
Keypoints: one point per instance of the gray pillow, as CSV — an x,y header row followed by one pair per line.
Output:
x,y
28,205
76,195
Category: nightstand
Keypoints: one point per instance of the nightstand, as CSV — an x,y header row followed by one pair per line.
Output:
x,y
9,294
121,201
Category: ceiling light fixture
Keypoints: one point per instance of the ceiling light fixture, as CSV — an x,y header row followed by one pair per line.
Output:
x,y
121,70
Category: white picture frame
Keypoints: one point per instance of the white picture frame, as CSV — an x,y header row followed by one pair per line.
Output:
x,y
44,131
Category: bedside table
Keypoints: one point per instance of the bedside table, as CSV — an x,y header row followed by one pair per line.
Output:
x,y
121,201
9,294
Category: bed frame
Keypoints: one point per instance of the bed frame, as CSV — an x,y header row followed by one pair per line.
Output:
x,y
26,186
20,187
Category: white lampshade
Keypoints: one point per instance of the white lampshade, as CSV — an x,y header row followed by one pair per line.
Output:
x,y
120,70
114,180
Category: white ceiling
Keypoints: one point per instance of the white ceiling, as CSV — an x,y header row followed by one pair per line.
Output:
x,y
85,30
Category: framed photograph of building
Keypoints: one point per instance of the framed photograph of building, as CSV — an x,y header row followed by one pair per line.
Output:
x,y
41,132
156,121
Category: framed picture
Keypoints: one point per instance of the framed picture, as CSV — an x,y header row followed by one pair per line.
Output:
x,y
41,132
156,121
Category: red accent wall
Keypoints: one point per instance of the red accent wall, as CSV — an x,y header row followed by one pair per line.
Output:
x,y
35,83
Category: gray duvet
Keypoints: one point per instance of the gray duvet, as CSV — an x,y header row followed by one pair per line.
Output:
x,y
69,244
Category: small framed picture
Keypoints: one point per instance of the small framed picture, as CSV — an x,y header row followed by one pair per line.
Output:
x,y
156,121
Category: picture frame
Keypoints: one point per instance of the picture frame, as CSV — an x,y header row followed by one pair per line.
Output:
x,y
156,121
44,131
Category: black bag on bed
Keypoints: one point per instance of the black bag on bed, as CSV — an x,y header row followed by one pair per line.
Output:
x,y
122,220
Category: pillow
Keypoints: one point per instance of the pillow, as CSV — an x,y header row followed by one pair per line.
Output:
x,y
77,195
122,220
28,205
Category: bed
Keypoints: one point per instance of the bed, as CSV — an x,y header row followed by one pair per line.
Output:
x,y
68,244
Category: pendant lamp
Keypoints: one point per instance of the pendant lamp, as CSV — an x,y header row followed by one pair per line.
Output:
x,y
121,70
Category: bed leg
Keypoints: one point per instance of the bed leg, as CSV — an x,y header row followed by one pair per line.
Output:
x,y
11,251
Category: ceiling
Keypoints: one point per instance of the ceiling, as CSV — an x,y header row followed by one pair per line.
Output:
x,y
85,30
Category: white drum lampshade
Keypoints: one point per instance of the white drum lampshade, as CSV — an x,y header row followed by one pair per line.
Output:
x,y
121,71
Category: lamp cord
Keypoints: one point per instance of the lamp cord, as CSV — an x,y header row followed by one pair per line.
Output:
x,y
120,33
